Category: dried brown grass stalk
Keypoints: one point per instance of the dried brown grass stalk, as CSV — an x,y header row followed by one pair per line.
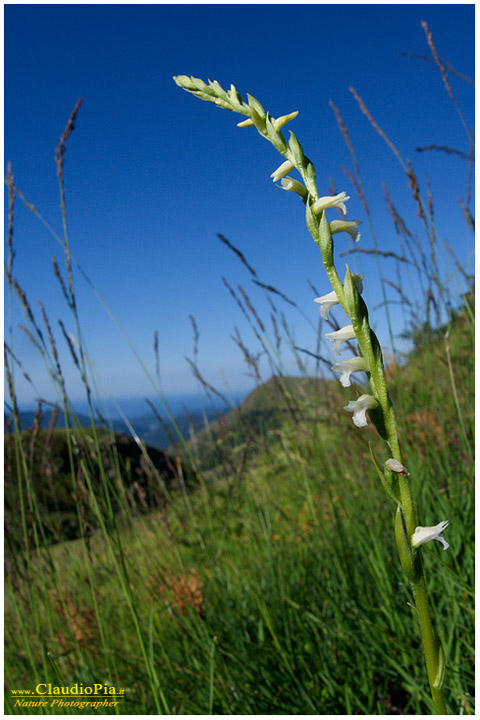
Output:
x,y
61,281
61,149
251,308
69,343
11,212
413,183
238,253
444,75
360,194
374,124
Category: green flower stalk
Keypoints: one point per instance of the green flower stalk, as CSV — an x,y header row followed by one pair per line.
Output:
x,y
377,404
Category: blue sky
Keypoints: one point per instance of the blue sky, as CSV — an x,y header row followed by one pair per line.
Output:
x,y
153,174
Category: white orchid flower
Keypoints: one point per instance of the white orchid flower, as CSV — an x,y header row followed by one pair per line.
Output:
x,y
331,201
288,183
434,532
340,336
330,299
359,409
349,226
283,170
347,367
326,302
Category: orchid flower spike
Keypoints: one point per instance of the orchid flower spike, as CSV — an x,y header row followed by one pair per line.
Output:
x,y
359,408
347,367
434,532
340,336
331,201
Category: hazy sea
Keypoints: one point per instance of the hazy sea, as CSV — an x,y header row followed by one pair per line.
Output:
x,y
136,407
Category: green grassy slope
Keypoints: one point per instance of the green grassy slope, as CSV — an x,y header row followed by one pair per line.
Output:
x,y
276,588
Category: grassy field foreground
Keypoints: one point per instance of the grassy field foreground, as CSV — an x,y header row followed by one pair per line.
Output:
x,y
272,589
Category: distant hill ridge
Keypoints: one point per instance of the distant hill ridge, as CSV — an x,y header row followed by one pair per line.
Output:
x,y
138,479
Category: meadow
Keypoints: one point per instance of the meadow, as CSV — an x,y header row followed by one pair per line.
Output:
x,y
261,575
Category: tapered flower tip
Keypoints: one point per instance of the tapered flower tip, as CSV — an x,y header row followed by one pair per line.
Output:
x,y
190,83
280,122
246,123
359,409
434,532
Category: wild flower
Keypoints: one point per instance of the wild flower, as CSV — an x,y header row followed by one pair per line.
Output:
x,y
292,185
340,336
327,301
347,367
283,170
331,201
409,537
434,532
349,226
359,409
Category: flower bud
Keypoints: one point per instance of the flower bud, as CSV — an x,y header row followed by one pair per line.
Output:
x,y
292,185
352,296
280,122
246,123
326,243
283,170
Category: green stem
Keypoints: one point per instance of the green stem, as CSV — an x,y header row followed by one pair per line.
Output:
x,y
434,658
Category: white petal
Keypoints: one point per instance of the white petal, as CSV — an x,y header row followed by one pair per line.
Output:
x,y
433,532
292,185
359,408
326,302
347,367
329,201
340,336
349,226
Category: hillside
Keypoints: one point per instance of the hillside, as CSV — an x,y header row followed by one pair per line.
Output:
x,y
266,409
102,472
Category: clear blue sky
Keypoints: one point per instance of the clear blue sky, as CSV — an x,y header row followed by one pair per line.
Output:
x,y
153,174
